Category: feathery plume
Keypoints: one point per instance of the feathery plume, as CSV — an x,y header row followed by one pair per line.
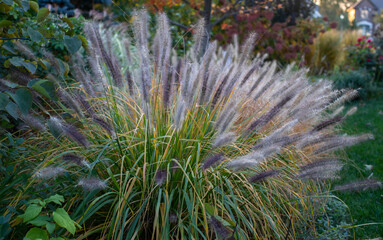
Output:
x,y
218,92
351,111
199,32
173,218
33,122
327,123
254,158
75,159
50,172
19,76
340,142
24,50
247,48
264,119
160,177
92,183
73,133
180,114
129,80
167,87
248,74
55,127
212,161
224,139
219,228
104,125
321,169
263,176
70,101
85,104
363,185
113,68
84,78
127,50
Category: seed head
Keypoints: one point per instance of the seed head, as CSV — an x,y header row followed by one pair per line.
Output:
x,y
92,183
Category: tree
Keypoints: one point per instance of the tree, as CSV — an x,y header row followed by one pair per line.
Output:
x,y
334,9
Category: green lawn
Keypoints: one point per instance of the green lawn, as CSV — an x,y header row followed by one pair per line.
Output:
x,y
365,207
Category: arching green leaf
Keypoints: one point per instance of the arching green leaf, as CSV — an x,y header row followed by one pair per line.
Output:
x,y
61,217
35,35
37,234
73,44
23,99
42,14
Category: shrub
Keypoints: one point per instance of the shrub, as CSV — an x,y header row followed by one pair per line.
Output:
x,y
214,146
282,42
25,30
357,79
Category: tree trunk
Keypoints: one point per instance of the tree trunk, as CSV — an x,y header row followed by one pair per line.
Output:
x,y
207,29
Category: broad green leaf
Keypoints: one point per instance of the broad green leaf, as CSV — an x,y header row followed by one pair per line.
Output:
x,y
56,132
23,99
83,40
16,61
37,234
4,99
68,21
35,35
31,212
8,2
73,44
45,64
209,209
5,23
34,5
42,14
58,199
67,69
11,30
9,84
30,67
37,201
7,46
61,217
44,87
227,223
12,108
40,221
25,5
50,227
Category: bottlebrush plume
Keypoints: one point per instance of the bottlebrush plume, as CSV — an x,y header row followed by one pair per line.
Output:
x,y
92,183
75,159
219,228
263,176
213,160
50,172
363,185
160,177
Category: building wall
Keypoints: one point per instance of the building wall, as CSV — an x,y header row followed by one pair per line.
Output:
x,y
363,8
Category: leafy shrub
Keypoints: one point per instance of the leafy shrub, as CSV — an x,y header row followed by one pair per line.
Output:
x,y
45,221
26,30
282,42
357,79
333,221
207,145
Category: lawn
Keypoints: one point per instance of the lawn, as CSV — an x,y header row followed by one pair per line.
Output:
x,y
366,206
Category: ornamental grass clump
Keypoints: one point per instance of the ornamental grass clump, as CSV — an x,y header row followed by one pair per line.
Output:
x,y
208,145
